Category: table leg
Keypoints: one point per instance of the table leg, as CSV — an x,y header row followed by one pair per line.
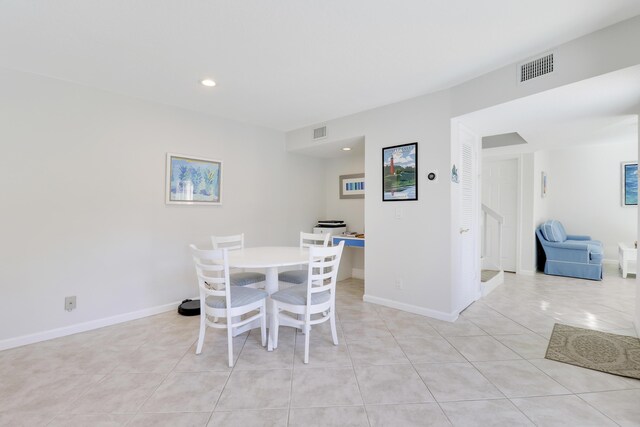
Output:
x,y
271,286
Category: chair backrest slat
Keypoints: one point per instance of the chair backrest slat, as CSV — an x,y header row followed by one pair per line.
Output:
x,y
232,243
212,270
323,269
308,240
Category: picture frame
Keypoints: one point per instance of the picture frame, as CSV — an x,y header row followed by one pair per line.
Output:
x,y
192,180
629,183
543,184
400,173
352,186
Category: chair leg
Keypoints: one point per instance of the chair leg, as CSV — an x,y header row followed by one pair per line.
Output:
x,y
275,326
307,330
203,328
263,322
230,342
334,332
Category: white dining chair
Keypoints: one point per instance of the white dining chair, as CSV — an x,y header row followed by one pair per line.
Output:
x,y
317,296
307,240
218,299
241,278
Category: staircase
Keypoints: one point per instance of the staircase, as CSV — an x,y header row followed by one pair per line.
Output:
x,y
492,274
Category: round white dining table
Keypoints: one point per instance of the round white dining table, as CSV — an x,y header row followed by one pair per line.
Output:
x,y
268,258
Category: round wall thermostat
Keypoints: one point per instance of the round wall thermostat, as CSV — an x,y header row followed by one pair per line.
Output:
x,y
431,176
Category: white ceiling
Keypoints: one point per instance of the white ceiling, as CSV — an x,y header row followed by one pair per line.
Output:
x,y
285,64
593,111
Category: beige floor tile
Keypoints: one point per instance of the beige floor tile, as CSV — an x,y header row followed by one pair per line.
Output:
x,y
46,393
22,419
121,393
376,351
519,378
456,381
254,418
410,327
528,346
429,350
324,387
556,410
187,392
481,349
391,384
93,420
263,389
485,413
499,325
621,406
151,359
413,415
253,358
183,419
336,416
582,380
459,328
365,330
322,355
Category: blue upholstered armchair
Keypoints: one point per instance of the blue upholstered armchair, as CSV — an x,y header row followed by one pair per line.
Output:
x,y
569,255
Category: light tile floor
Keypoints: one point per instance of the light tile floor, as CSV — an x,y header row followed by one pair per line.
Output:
x,y
391,368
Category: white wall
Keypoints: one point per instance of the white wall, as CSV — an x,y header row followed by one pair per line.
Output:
x,y
414,248
349,210
421,246
584,186
83,209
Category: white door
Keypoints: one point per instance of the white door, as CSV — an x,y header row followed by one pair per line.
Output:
x,y
469,232
500,193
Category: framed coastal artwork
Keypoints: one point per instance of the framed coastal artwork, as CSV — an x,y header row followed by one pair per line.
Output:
x,y
400,172
352,186
193,180
629,184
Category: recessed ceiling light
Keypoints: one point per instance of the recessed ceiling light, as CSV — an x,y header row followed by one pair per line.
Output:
x,y
346,149
208,83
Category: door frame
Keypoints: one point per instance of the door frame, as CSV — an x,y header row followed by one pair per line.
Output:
x,y
519,202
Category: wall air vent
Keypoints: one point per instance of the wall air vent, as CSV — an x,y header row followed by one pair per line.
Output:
x,y
319,133
536,68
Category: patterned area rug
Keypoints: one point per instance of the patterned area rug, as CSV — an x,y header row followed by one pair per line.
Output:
x,y
600,351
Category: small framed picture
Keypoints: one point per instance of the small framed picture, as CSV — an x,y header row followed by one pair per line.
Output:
x,y
543,184
629,183
400,172
193,180
352,186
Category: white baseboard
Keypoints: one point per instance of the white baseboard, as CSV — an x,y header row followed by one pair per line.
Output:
x,y
357,273
440,315
85,326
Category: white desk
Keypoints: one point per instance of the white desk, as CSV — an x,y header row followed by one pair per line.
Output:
x,y
627,256
268,258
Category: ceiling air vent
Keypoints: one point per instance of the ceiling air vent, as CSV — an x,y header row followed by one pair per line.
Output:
x,y
536,68
320,133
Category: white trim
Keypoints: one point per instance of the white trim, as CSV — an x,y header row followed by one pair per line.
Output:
x,y
440,315
85,326
357,273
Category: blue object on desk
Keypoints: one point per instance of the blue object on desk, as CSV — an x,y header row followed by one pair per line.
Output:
x,y
348,241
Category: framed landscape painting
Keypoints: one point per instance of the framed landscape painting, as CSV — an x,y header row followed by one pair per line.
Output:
x,y
193,180
629,183
400,172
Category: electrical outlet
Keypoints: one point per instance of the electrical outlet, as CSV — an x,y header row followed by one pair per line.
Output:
x,y
70,303
399,284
